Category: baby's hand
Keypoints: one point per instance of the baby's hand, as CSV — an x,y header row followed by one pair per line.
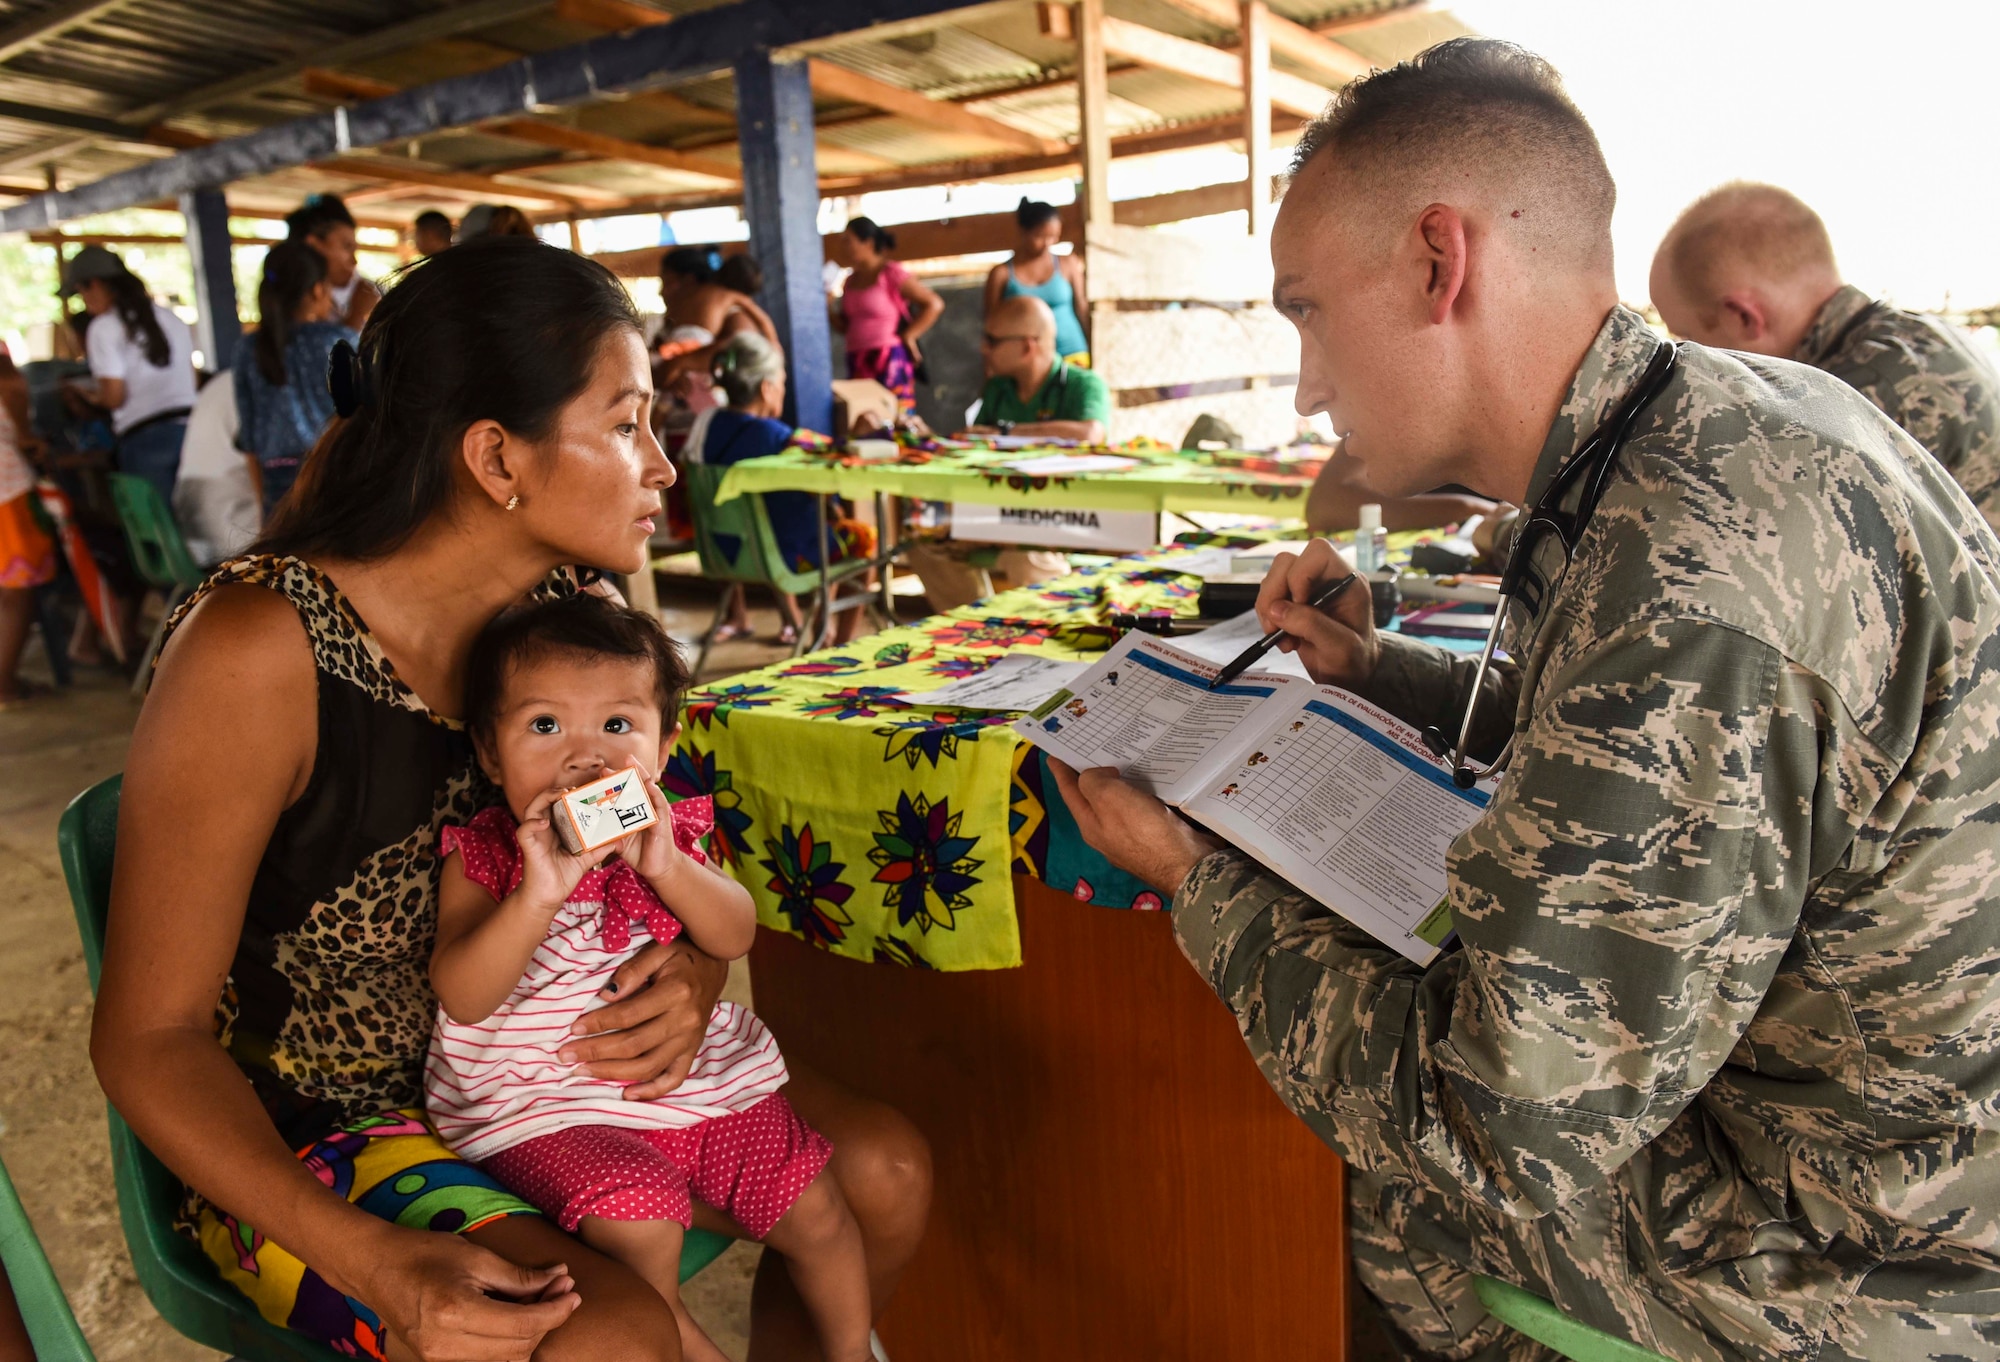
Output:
x,y
651,851
549,874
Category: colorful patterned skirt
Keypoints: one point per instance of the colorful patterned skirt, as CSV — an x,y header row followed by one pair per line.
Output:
x,y
27,553
391,1165
890,366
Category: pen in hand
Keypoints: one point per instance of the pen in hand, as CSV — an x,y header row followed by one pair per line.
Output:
x,y
1244,660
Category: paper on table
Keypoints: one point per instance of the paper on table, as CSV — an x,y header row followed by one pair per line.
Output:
x,y
1017,682
1222,642
1053,465
1024,442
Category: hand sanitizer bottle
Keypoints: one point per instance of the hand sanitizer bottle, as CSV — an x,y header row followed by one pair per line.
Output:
x,y
1371,541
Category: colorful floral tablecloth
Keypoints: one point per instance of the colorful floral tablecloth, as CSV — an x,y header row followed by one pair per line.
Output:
x,y
1159,480
878,827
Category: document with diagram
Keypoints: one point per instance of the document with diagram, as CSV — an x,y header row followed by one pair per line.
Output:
x,y
1340,798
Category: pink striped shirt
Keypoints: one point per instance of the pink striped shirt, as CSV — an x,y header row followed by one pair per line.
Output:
x,y
493,1084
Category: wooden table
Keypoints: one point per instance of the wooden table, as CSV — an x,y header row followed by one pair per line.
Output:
x,y
1115,1180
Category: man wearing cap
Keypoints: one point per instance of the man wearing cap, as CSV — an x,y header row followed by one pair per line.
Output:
x,y
1715,1063
1750,267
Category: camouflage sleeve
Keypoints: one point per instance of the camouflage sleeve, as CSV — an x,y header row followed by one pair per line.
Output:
x,y
1623,905
1423,684
1941,401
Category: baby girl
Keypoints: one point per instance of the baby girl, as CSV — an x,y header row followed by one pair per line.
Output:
x,y
559,694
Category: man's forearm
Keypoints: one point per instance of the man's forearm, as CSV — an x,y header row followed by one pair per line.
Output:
x,y
1423,684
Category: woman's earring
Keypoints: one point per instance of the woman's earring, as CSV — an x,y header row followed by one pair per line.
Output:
x,y
513,501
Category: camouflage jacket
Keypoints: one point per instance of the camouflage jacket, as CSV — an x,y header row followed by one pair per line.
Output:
x,y
1925,375
1731,937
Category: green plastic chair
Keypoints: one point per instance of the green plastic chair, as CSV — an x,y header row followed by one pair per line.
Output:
x,y
158,553
756,561
178,1278
1526,1313
44,1309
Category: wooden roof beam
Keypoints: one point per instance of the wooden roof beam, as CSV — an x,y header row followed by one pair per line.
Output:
x,y
1216,65
341,85
607,147
1361,23
52,22
1335,61
838,82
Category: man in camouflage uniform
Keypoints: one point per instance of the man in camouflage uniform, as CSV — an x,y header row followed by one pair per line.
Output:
x,y
1715,1068
1750,267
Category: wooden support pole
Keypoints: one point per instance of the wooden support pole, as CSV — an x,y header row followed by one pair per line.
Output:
x,y
218,326
774,121
1256,27
1093,91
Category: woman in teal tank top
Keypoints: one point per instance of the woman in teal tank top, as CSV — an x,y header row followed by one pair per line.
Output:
x,y
1039,272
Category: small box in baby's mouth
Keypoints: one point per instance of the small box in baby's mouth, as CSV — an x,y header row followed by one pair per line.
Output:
x,y
597,814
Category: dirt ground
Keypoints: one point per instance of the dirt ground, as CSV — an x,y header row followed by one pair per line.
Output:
x,y
52,1134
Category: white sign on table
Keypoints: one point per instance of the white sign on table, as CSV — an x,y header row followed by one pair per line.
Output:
x,y
1056,527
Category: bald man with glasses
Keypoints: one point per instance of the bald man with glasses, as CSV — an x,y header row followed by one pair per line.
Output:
x,y
1029,391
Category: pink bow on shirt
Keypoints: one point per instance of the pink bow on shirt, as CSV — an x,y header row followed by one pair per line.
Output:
x,y
628,898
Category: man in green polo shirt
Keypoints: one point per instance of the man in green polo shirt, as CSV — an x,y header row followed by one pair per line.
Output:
x,y
1028,390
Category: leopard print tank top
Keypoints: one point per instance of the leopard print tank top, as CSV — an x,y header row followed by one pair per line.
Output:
x,y
328,1004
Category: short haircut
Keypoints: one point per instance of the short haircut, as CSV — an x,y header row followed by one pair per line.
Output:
x,y
318,215
1483,101
584,626
744,364
1760,230
430,220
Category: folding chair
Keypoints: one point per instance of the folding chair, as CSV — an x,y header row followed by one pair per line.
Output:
x,y
178,1278
159,554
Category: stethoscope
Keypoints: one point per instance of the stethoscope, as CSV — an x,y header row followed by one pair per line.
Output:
x,y
1591,468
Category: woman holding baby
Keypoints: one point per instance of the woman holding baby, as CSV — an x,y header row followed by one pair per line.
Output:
x,y
266,1001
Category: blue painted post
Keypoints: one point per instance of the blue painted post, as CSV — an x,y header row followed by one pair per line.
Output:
x,y
219,326
774,122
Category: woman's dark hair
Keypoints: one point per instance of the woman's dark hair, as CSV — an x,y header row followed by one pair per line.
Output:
x,y
430,220
872,232
292,270
698,263
583,626
134,307
1032,213
742,273
501,328
316,216
507,220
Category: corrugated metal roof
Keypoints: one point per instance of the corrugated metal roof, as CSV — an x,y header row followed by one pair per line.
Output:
x,y
155,53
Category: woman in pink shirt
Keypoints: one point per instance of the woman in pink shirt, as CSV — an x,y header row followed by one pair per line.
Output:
x,y
882,311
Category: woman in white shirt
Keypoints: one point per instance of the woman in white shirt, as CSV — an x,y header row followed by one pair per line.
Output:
x,y
141,361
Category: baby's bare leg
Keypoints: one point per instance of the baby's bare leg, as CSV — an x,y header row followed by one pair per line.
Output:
x,y
821,1244
652,1248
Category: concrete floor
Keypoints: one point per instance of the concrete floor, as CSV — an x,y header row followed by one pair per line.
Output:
x,y
52,1134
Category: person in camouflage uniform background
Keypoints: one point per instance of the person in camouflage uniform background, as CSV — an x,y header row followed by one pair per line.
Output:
x,y
1750,267
1715,1067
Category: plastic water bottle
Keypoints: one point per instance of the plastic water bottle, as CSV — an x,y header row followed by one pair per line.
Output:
x,y
1371,541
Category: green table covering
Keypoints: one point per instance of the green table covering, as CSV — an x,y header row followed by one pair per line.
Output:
x,y
878,827
1161,480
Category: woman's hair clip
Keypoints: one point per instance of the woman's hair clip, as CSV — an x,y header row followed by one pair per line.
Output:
x,y
347,379
714,259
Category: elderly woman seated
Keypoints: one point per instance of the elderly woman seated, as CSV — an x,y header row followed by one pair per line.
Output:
x,y
750,371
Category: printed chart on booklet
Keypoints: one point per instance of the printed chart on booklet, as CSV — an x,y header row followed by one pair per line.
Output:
x,y
1333,794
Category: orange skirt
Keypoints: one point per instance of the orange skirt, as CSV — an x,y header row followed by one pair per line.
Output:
x,y
27,553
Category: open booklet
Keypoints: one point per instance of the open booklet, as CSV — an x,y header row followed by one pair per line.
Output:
x,y
1339,798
